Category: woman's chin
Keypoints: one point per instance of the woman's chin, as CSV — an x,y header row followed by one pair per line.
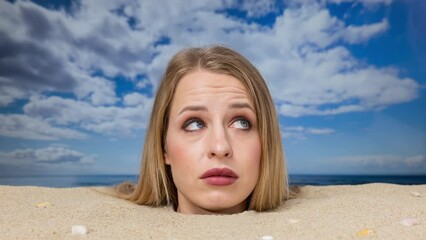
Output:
x,y
219,207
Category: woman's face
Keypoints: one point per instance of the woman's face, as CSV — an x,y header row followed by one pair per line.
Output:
x,y
212,144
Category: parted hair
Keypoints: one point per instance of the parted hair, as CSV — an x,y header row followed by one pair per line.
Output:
x,y
155,186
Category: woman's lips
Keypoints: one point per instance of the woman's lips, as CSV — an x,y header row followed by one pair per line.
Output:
x,y
219,176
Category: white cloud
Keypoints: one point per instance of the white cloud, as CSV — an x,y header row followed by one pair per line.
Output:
x,y
357,34
101,119
415,161
46,56
320,131
308,69
310,75
45,156
98,90
134,99
25,127
384,162
300,132
8,93
257,8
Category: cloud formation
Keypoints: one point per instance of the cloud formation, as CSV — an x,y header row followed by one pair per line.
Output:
x,y
25,127
101,119
300,132
66,62
49,160
385,163
49,155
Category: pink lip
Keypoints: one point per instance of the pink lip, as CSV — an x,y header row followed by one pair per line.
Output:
x,y
219,176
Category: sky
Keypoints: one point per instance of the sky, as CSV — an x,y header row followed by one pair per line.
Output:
x,y
77,79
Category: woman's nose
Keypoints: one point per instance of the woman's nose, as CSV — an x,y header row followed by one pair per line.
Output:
x,y
219,145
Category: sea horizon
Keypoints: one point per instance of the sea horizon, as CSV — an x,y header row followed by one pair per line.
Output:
x,y
87,180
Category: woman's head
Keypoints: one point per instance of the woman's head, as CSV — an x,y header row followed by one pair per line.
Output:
x,y
228,107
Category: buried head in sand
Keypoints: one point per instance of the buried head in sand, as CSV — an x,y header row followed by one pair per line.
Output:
x,y
213,143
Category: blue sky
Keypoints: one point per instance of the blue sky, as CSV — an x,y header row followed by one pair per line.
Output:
x,y
77,79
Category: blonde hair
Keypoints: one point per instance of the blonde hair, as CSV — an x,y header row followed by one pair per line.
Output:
x,y
155,186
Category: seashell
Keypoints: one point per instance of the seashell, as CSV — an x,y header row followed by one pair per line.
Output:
x,y
409,222
415,194
43,205
267,238
293,221
78,230
365,232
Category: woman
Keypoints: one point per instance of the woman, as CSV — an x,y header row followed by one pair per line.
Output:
x,y
213,144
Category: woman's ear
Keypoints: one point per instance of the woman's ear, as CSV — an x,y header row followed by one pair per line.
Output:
x,y
166,158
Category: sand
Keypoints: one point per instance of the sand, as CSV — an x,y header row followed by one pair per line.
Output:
x,y
371,211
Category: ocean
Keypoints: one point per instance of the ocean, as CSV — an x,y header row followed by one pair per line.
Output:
x,y
111,180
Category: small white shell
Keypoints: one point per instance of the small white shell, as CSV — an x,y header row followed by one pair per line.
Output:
x,y
267,238
415,194
78,230
292,221
43,205
409,221
365,232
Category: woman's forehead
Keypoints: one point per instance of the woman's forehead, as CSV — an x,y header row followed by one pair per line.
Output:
x,y
202,85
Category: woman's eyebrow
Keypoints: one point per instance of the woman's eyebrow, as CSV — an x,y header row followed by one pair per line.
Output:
x,y
193,108
241,105
203,108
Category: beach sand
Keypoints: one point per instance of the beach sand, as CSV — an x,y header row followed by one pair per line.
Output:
x,y
371,211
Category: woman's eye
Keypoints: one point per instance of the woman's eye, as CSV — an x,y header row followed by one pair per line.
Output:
x,y
193,125
241,123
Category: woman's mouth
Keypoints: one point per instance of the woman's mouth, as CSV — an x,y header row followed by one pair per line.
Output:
x,y
219,176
